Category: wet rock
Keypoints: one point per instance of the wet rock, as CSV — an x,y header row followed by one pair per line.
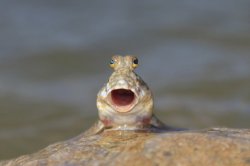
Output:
x,y
217,146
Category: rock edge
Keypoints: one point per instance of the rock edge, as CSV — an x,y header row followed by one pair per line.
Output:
x,y
215,146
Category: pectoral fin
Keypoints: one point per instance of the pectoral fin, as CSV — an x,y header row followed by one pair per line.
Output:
x,y
155,122
160,126
97,128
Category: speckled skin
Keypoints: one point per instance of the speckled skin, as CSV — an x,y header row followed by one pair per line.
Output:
x,y
136,116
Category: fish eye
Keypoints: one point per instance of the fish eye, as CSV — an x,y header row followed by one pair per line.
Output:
x,y
112,63
135,62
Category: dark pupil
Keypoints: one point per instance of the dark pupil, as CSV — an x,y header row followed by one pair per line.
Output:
x,y
135,61
112,61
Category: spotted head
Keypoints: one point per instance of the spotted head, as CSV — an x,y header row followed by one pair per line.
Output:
x,y
125,100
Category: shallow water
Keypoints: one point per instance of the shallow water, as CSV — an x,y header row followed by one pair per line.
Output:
x,y
53,60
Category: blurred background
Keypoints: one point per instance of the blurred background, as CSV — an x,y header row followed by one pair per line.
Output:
x,y
54,55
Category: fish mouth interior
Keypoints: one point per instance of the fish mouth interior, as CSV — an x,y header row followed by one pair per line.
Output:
x,y
122,97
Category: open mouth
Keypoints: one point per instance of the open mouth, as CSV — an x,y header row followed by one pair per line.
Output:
x,y
123,99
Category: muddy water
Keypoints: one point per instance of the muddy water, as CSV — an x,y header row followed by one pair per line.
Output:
x,y
54,56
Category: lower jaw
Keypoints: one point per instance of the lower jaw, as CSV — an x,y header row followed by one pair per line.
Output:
x,y
127,123
123,109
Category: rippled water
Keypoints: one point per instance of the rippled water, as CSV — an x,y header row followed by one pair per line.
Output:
x,y
195,56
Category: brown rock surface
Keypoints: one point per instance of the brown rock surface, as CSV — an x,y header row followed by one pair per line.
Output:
x,y
218,146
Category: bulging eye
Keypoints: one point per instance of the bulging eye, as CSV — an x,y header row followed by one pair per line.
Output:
x,y
135,62
112,63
